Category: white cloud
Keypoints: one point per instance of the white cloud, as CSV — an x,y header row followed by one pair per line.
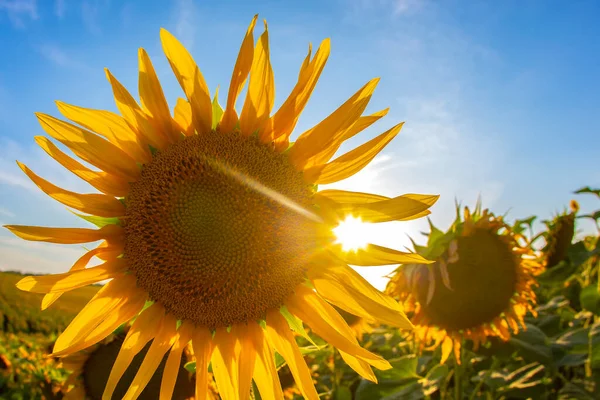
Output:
x,y
59,56
6,212
55,54
36,257
19,11
90,10
60,8
185,30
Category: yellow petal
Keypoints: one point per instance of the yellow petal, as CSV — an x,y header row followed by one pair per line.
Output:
x,y
305,63
134,115
203,347
72,280
238,78
265,372
284,120
163,341
134,302
360,366
346,197
246,359
191,80
153,99
351,162
66,235
261,89
345,288
91,148
96,204
110,252
225,364
171,370
103,181
108,299
447,346
329,131
143,329
183,116
281,338
326,322
374,255
111,126
361,124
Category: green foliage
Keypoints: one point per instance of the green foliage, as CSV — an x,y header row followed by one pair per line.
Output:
x,y
556,357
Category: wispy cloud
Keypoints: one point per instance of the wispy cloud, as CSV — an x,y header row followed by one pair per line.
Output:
x,y
60,8
6,213
185,30
90,12
36,257
59,56
19,11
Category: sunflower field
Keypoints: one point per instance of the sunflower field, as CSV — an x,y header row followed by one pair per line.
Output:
x,y
227,270
552,353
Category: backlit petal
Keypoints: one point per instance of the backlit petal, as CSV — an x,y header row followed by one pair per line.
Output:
x,y
96,204
241,70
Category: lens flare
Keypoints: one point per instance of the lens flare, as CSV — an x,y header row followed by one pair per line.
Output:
x,y
352,233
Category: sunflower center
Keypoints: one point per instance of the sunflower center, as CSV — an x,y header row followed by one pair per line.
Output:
x,y
97,367
219,229
484,279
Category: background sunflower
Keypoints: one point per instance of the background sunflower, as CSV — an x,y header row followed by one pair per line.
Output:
x,y
480,285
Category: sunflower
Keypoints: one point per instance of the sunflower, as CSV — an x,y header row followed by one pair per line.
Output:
x,y
559,235
89,370
480,285
212,229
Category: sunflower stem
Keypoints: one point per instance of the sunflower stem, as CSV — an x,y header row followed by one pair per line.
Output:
x,y
458,377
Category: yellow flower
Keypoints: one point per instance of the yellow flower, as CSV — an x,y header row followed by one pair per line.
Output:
x,y
479,286
89,370
215,220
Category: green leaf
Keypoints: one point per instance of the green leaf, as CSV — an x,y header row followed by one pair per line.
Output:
x,y
190,366
431,382
532,344
99,221
217,110
587,189
590,298
594,345
342,393
391,381
296,324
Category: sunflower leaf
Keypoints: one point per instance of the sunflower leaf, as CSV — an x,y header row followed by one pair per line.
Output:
x,y
217,110
99,221
295,324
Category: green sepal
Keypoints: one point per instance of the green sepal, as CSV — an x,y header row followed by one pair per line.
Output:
x,y
99,221
217,110
295,324
153,150
190,366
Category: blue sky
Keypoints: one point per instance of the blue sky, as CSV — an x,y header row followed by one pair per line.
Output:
x,y
500,98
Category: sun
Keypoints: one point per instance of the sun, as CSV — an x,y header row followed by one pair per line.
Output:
x,y
352,233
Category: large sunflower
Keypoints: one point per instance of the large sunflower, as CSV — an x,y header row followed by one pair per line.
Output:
x,y
212,226
479,286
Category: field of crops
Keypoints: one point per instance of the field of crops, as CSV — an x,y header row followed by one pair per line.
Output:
x,y
556,357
